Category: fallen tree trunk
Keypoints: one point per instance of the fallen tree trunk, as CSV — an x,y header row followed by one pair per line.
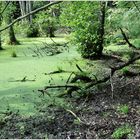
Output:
x,y
113,70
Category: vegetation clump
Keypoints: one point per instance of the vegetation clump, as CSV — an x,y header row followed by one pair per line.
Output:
x,y
13,54
124,109
122,132
32,31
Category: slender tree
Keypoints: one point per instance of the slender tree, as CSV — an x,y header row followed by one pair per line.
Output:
x,y
9,18
87,20
12,37
0,32
101,31
2,10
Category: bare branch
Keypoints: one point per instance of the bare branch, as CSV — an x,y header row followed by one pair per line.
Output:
x,y
61,86
113,70
5,8
31,13
136,6
126,39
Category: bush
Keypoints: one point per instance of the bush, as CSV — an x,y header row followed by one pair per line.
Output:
x,y
32,31
123,109
122,132
14,54
125,70
48,30
137,43
85,26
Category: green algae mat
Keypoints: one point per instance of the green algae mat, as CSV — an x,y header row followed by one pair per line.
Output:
x,y
16,94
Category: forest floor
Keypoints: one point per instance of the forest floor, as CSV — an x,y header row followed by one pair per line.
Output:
x,y
102,113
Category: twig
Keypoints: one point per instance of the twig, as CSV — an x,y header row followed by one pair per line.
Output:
x,y
75,116
4,8
79,68
22,80
127,41
57,71
112,88
136,6
69,77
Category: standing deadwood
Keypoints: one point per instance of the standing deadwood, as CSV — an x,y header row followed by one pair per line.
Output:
x,y
101,28
28,10
22,8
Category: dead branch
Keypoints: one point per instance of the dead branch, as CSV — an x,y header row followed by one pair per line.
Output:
x,y
43,92
31,13
69,78
117,57
79,68
62,86
130,74
23,80
126,39
113,70
136,6
81,77
57,71
71,89
57,44
79,120
8,2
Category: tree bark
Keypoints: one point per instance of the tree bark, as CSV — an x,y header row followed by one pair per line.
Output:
x,y
12,37
94,50
0,26
0,43
28,10
101,28
22,9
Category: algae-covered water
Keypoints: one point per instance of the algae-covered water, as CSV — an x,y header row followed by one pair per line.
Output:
x,y
22,96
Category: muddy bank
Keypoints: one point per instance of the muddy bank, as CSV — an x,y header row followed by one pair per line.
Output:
x,y
101,116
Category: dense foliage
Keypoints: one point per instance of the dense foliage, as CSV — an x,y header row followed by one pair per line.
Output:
x,y
83,19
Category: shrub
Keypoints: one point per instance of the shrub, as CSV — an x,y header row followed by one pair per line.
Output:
x,y
32,31
14,54
122,132
123,109
125,70
137,43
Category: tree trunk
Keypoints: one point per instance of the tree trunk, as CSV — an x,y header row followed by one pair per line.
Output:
x,y
25,8
51,31
22,9
101,28
0,43
0,26
12,37
94,50
30,9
